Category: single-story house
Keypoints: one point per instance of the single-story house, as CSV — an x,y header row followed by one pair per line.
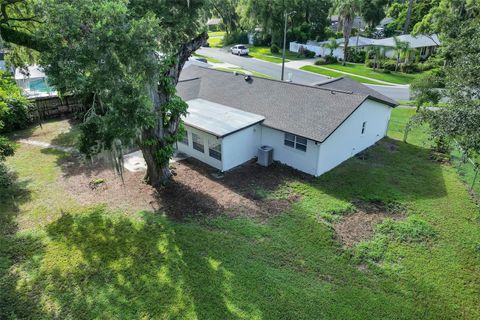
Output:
x,y
425,45
310,128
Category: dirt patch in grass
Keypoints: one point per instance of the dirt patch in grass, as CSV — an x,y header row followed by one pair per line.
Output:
x,y
196,189
390,145
360,225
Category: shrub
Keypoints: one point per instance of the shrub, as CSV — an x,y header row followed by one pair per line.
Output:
x,y
7,148
369,63
409,67
274,48
235,38
320,62
261,39
356,56
331,59
389,65
14,108
309,54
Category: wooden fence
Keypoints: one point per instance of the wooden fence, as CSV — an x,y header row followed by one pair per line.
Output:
x,y
52,107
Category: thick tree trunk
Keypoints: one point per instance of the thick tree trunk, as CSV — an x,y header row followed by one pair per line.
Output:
x,y
158,173
155,142
409,17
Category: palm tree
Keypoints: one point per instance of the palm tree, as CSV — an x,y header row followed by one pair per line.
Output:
x,y
378,55
332,44
347,10
399,48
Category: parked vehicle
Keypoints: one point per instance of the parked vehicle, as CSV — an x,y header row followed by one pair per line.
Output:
x,y
239,49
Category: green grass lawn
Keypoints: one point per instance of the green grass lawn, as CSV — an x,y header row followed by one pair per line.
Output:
x,y
264,53
215,42
244,71
334,74
61,260
362,70
209,59
216,33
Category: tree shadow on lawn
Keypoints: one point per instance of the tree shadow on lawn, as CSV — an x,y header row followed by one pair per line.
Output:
x,y
388,171
16,249
115,267
103,265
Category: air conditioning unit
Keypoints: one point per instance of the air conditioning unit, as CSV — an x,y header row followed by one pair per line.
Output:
x,y
265,156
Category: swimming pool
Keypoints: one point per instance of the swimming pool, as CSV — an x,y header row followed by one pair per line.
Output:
x,y
40,85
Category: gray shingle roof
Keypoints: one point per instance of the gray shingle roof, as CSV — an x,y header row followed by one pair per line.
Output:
x,y
347,84
307,111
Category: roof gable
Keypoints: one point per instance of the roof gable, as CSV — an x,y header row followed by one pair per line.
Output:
x,y
307,111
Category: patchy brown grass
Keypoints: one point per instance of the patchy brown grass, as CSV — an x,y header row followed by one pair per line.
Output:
x,y
194,190
360,225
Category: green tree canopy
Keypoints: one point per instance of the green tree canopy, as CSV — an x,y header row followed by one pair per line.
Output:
x,y
126,57
458,23
310,18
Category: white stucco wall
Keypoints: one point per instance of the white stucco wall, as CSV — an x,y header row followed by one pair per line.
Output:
x,y
348,140
204,157
303,161
240,147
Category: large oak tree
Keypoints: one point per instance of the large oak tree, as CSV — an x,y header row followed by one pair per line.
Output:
x,y
126,58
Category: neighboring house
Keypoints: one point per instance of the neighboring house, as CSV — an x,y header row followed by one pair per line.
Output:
x,y
33,82
310,128
425,45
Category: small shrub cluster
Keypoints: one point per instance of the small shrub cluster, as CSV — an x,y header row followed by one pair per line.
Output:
x,y
357,56
261,39
235,38
412,230
274,49
321,62
14,108
306,53
331,59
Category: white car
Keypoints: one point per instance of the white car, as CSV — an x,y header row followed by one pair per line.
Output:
x,y
239,49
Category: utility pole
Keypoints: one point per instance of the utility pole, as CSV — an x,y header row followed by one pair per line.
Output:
x,y
285,40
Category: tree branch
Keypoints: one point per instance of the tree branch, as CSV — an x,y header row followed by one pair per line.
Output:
x,y
21,38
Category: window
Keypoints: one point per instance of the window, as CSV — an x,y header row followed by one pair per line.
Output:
x,y
364,127
185,138
215,149
197,142
296,142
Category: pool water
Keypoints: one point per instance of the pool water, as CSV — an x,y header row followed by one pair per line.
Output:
x,y
40,85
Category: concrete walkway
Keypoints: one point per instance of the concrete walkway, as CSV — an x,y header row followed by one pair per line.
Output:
x,y
45,145
133,162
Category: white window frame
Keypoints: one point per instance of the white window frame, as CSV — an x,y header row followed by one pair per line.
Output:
x,y
200,138
215,148
296,142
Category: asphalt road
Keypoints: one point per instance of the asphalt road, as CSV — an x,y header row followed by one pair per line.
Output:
x,y
274,70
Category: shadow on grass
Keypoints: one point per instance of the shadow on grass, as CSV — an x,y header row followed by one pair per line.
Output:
x,y
389,171
119,267
15,249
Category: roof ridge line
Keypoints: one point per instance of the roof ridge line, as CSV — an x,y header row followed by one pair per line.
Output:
x,y
280,81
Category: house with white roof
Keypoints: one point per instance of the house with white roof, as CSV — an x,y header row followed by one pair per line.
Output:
x,y
234,118
425,45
